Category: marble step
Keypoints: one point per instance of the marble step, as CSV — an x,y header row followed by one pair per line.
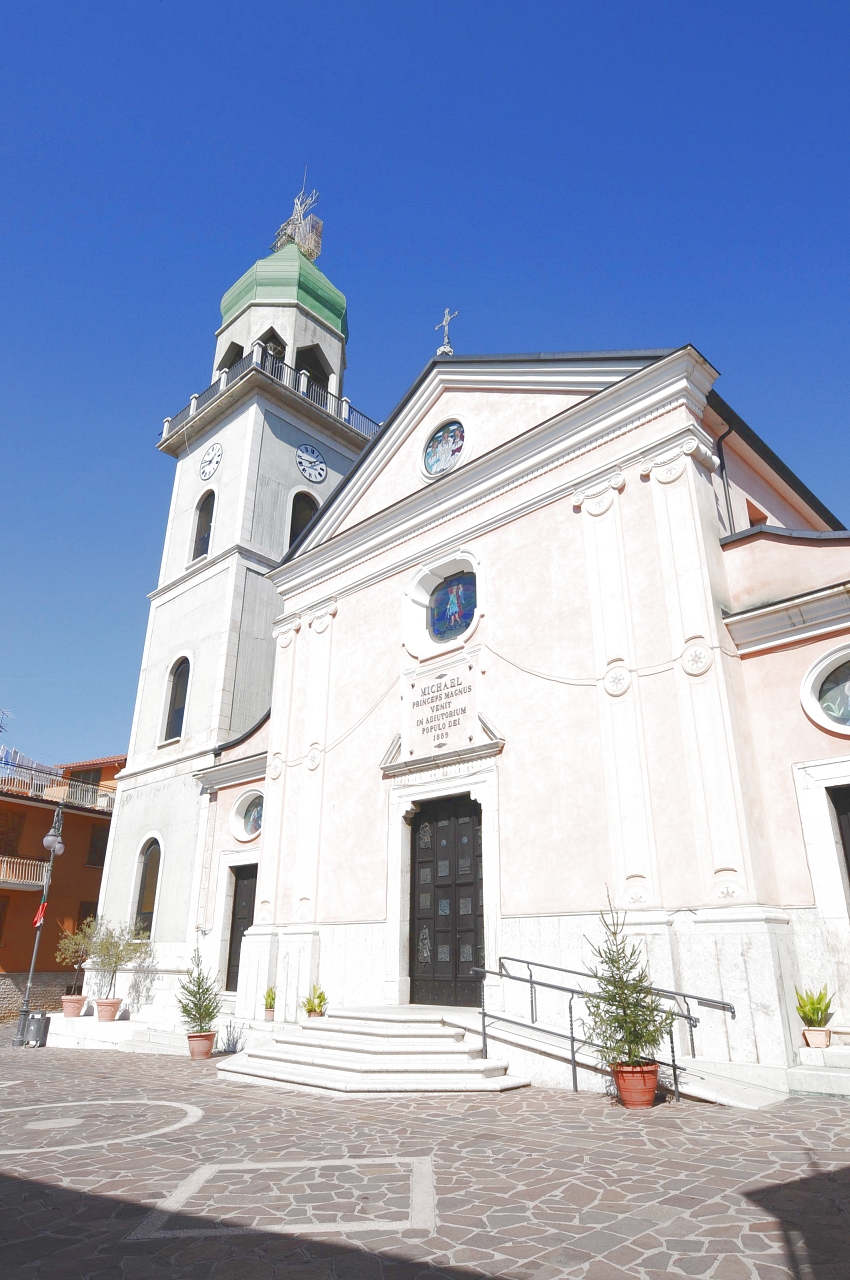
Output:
x,y
254,1069
383,1029
341,1058
374,1045
829,1080
369,1051
836,1056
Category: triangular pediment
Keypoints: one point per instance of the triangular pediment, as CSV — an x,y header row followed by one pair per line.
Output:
x,y
494,400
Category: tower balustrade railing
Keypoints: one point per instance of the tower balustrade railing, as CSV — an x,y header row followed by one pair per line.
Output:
x,y
297,380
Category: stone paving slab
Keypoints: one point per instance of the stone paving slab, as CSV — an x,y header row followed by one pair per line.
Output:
x,y
119,1168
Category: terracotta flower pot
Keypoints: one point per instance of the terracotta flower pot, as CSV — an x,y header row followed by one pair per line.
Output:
x,y
107,1010
817,1037
201,1044
72,1006
636,1085
314,1013
270,1015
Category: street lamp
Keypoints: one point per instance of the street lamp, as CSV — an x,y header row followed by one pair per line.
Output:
x,y
54,845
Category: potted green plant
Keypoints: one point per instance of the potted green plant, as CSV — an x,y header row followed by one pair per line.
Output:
x,y
114,947
74,950
269,1002
814,1009
199,1001
316,1003
626,1021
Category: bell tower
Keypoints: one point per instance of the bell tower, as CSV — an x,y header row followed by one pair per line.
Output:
x,y
257,453
286,303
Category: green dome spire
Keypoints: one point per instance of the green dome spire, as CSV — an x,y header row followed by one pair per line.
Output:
x,y
287,276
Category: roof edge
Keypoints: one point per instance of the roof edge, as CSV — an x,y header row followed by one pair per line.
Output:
x,y
764,451
243,737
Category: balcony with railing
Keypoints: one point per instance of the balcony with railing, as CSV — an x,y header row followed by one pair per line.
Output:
x,y
37,784
297,380
22,873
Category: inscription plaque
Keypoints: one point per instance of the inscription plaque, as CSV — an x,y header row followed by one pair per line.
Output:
x,y
441,711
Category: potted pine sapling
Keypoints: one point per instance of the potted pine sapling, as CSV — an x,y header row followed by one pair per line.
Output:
x,y
74,950
626,1021
199,1001
112,948
814,1009
269,1003
316,1003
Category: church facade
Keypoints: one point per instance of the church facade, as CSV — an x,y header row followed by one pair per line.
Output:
x,y
564,628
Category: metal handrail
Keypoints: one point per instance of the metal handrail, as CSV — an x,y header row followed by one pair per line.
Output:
x,y
22,873
20,780
705,1002
533,983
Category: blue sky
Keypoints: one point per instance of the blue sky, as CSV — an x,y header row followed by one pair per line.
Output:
x,y
567,176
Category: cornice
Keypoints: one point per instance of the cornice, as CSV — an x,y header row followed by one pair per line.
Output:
x,y
818,613
170,768
684,377
363,544
248,769
256,382
282,303
239,550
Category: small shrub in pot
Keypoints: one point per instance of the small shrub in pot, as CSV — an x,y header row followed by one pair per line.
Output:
x,y
114,947
626,1021
316,1003
814,1008
269,1003
199,1001
74,949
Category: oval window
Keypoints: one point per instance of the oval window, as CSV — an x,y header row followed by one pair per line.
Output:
x,y
451,607
253,817
834,694
443,449
246,816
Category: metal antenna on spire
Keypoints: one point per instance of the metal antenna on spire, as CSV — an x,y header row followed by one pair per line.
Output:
x,y
303,228
446,348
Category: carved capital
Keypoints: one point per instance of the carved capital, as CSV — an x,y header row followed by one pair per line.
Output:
x,y
597,500
287,631
320,619
670,465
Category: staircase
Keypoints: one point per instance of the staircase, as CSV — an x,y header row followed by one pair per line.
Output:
x,y
373,1051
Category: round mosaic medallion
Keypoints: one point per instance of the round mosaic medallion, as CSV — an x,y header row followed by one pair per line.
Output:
x,y
443,449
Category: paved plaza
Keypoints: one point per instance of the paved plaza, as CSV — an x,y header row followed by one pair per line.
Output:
x,y
128,1166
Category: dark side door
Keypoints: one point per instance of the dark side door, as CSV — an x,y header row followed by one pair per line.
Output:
x,y
244,892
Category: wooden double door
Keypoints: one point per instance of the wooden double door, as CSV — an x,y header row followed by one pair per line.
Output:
x,y
447,905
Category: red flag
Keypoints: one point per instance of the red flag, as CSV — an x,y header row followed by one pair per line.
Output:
x,y
39,915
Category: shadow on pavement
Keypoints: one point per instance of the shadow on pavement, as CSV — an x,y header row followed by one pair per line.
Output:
x,y
51,1233
815,1217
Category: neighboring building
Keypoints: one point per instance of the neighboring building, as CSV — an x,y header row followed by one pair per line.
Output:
x,y
29,795
567,627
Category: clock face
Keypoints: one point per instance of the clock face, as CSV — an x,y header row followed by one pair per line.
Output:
x,y
210,461
311,463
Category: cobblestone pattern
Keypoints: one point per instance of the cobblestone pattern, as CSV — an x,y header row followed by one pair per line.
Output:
x,y
533,1185
47,991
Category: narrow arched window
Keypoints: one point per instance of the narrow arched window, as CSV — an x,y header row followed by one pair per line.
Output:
x,y
203,526
177,699
148,879
303,509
